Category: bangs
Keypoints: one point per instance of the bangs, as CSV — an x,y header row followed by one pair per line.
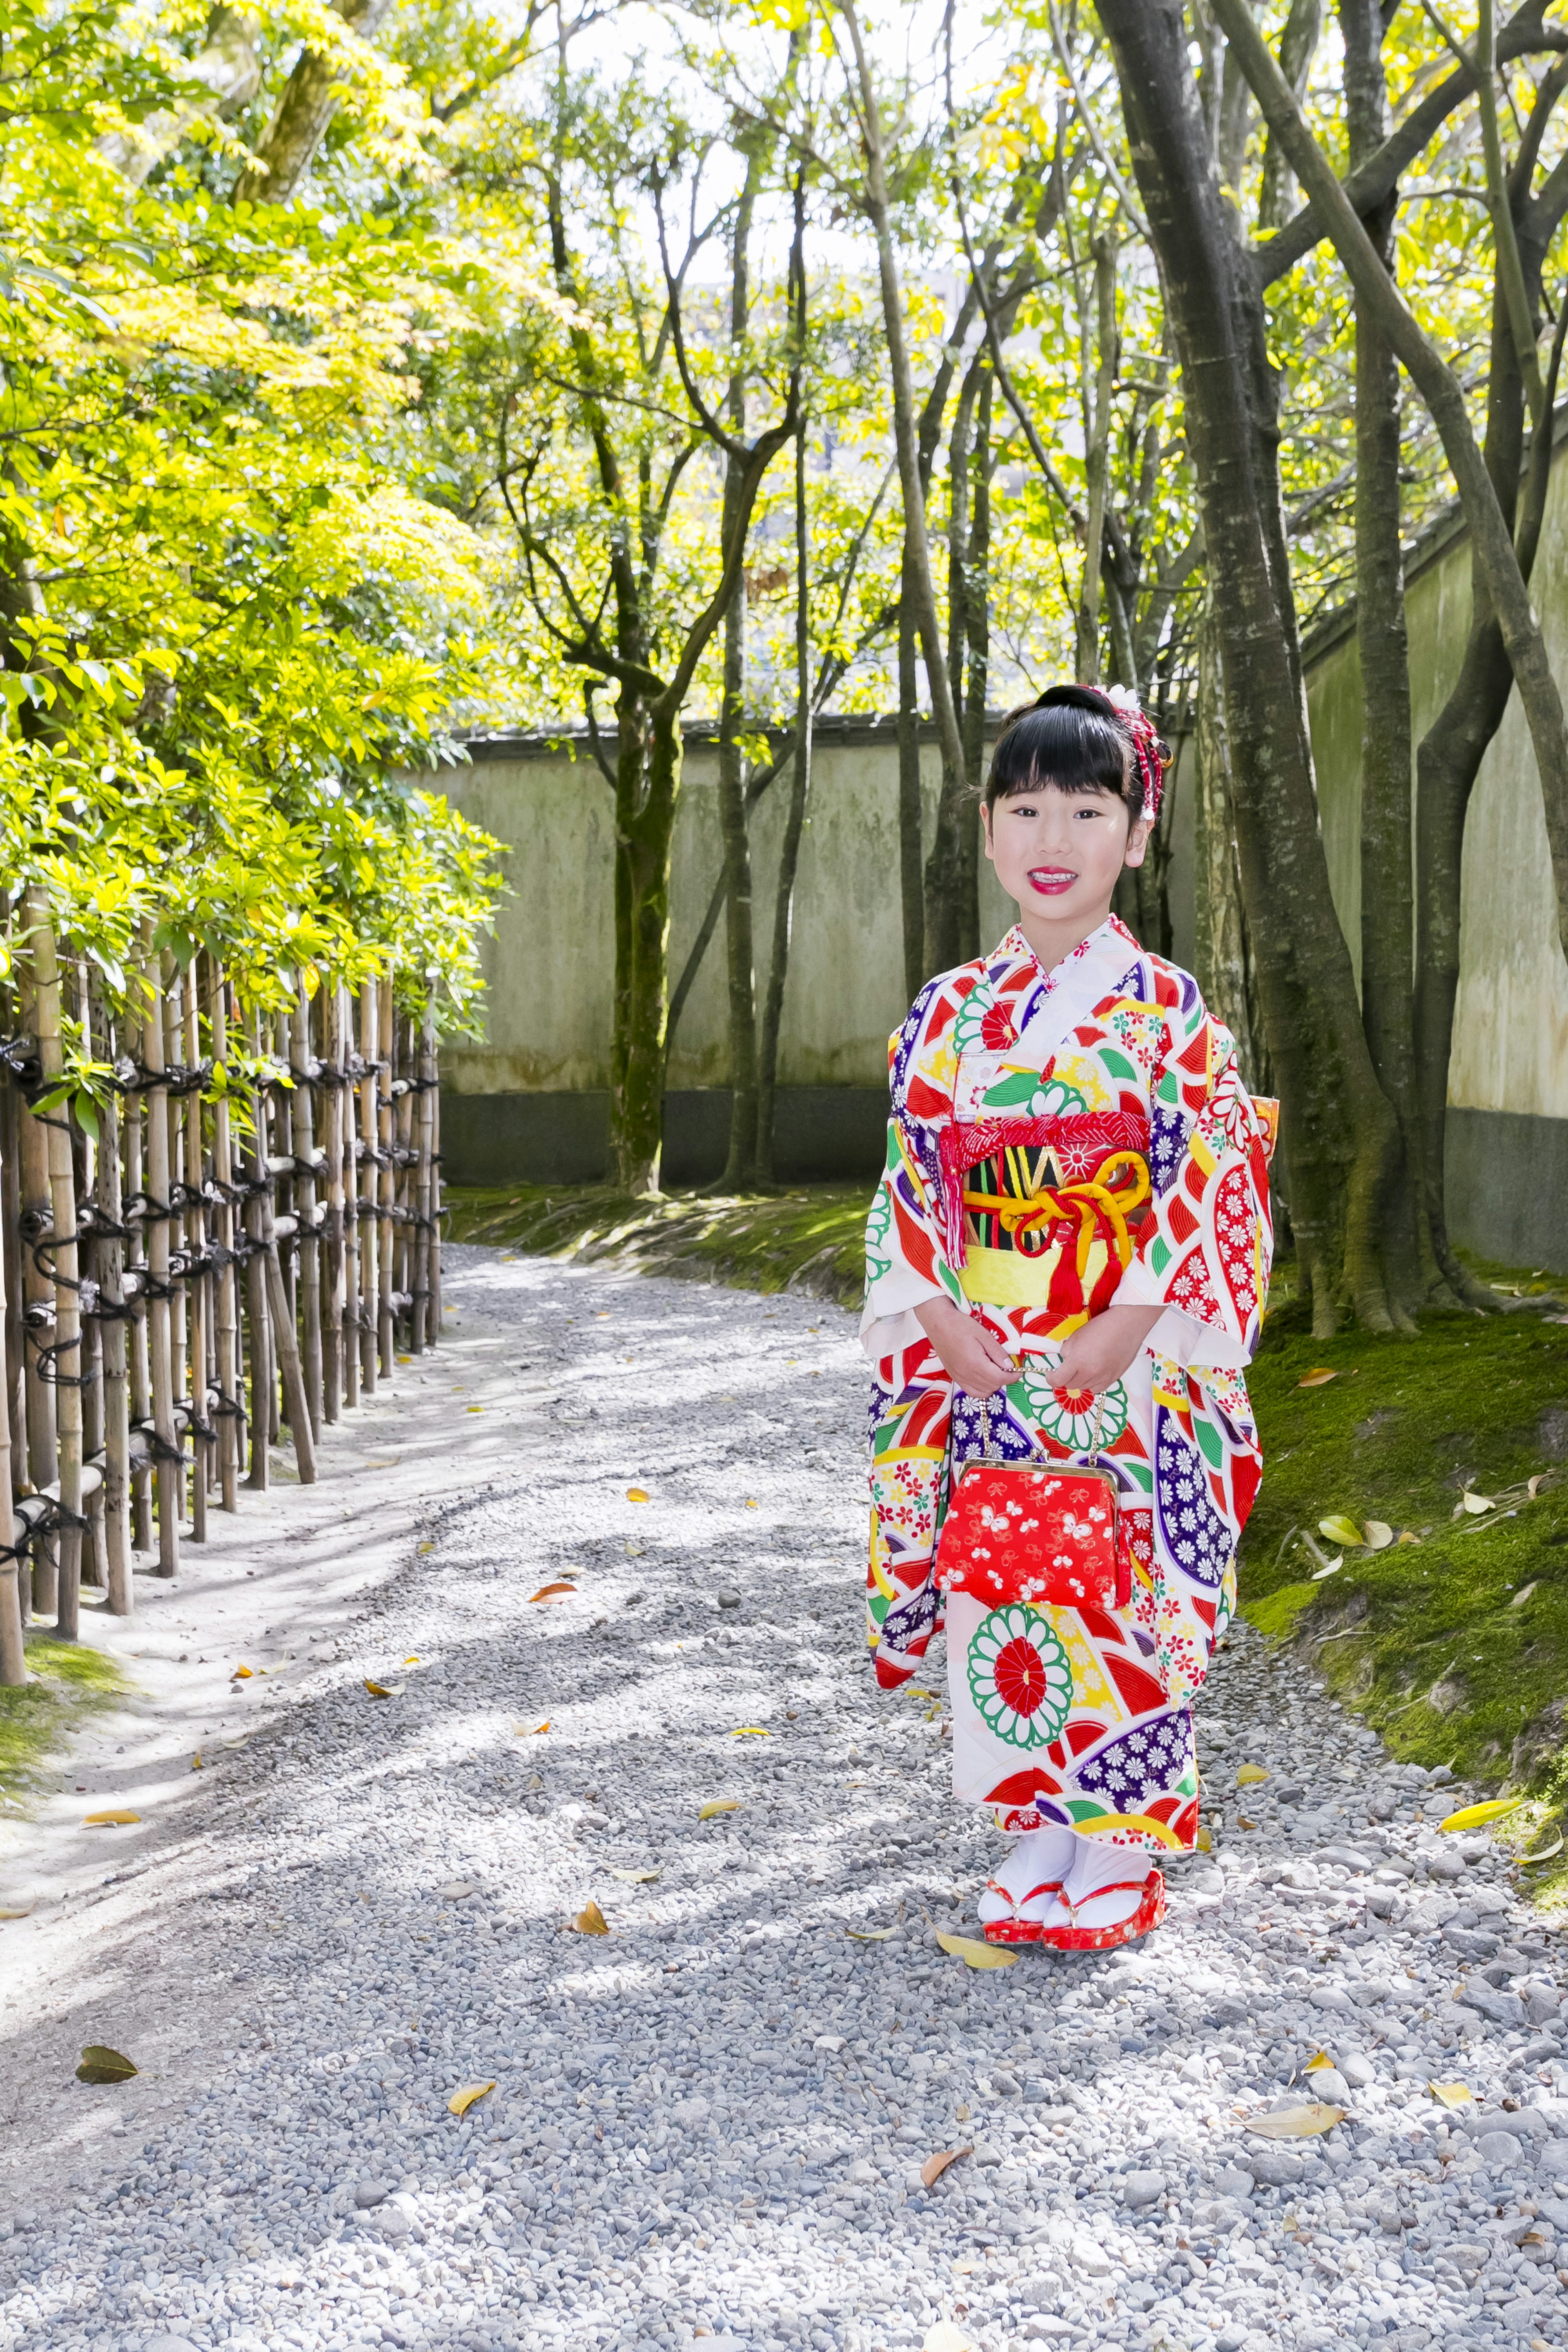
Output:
x,y
1076,746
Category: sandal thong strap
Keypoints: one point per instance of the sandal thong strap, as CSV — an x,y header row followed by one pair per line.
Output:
x,y
1046,1886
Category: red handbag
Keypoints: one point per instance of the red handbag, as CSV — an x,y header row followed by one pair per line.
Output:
x,y
1041,1531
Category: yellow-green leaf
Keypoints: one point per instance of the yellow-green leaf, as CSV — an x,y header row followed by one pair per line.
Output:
x,y
1476,1817
461,2101
1248,1774
718,1805
1341,1531
867,1934
1297,2123
112,1820
975,1953
1318,1376
638,1495
1545,1854
100,2065
749,1731
1453,2095
1476,1504
385,1690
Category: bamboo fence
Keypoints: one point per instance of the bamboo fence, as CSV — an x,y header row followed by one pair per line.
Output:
x,y
229,1240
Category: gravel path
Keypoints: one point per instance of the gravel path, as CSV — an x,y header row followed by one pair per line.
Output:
x,y
709,2123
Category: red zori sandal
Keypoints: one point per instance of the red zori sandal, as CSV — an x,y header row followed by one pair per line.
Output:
x,y
1013,1926
1149,1913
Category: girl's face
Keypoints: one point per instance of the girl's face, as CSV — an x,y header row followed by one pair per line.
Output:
x,y
1060,853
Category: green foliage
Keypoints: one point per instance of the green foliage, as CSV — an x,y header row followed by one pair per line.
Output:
x,y
1431,1640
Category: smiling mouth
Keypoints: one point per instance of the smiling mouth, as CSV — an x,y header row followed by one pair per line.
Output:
x,y
1051,879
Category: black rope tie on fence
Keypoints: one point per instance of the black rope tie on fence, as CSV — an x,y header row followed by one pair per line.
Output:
x,y
46,1363
223,1407
158,1448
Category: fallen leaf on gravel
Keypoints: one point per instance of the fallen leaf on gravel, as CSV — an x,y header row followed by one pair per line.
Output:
x,y
385,1690
718,1805
946,2336
461,2101
1379,1534
867,1934
638,1495
591,1921
1317,2058
427,1547
636,1551
749,1731
1204,1842
972,1952
1341,1531
1476,1504
195,1763
101,2065
961,2113
1453,2095
1476,1817
750,1502
637,1877
1243,1823
16,1911
1318,1378
916,1693
935,2166
1297,2123
554,1592
1248,1773
109,1820
241,1674
411,1662
530,1730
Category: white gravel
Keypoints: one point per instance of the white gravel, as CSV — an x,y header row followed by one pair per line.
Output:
x,y
708,2126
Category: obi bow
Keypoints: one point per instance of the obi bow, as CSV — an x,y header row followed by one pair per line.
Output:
x,y
1099,1208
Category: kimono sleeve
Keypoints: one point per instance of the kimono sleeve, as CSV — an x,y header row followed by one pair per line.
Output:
x,y
906,1253
1205,1248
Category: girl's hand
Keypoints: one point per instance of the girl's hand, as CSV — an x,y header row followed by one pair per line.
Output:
x,y
1097,1355
972,1358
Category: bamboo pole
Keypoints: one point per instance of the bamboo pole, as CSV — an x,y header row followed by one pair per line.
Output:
x,y
284,1339
302,1128
433,1304
38,1310
424,1182
333,1253
369,1231
387,1187
168,1466
141,1343
13,1559
230,1410
347,1103
67,1349
109,1258
257,1328
199,1283
179,1226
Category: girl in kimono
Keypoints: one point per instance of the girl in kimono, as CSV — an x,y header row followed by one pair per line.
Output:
x,y
1067,1257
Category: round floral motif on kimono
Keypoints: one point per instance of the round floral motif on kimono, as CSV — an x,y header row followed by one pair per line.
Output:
x,y
1020,1676
983,1023
1068,1416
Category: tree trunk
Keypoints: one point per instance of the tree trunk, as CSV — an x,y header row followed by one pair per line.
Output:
x,y
1387,893
945,895
1098,413
741,1161
1340,1132
1222,955
304,116
795,825
977,678
919,580
1298,45
912,878
645,827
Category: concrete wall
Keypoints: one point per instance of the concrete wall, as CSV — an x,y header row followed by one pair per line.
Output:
x,y
1508,1152
531,1100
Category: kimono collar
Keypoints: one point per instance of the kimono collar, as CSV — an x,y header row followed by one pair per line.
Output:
x,y
1065,994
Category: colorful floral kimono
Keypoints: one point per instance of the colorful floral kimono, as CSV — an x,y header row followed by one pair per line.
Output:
x,y
1061,1142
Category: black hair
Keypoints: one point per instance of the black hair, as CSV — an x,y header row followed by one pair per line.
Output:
x,y
1073,737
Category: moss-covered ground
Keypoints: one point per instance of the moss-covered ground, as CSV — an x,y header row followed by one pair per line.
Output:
x,y
811,1239
1455,1645
70,1681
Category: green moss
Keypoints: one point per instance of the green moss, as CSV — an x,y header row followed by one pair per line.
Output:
x,y
1434,1639
73,1681
813,1237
